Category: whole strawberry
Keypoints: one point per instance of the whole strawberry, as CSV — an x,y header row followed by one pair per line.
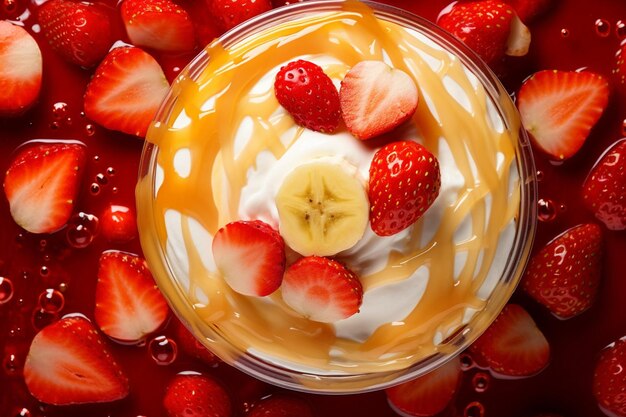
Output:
x,y
609,379
80,32
564,275
604,190
309,95
404,182
196,395
229,13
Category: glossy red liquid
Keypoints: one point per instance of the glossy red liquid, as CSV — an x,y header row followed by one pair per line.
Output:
x,y
566,37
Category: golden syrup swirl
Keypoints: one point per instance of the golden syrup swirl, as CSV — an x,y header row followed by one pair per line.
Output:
x,y
190,202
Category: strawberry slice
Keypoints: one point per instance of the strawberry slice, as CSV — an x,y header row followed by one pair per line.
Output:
x,y
322,289
559,108
196,395
70,363
126,91
230,13
129,306
250,256
281,405
376,98
429,394
394,206
609,379
564,276
513,346
80,32
604,189
158,24
20,69
42,184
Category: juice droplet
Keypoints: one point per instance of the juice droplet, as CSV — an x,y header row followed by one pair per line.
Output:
x,y
466,361
480,381
6,290
565,33
603,28
94,189
546,210
90,129
59,110
44,271
11,364
163,350
474,409
620,29
9,6
624,127
51,301
81,230
101,179
42,318
23,412
110,171
540,175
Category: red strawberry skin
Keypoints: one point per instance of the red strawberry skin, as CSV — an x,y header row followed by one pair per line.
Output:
x,y
322,289
129,306
619,72
42,184
609,379
281,406
484,26
529,10
20,69
118,224
604,189
191,346
230,13
564,276
70,363
318,111
80,32
195,395
404,182
251,257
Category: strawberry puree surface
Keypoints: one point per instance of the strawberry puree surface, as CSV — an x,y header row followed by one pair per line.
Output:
x,y
569,36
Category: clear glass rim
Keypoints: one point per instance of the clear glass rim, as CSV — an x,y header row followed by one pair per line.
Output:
x,y
343,384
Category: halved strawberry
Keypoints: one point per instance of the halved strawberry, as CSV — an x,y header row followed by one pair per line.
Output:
x,y
42,184
513,346
230,13
609,379
281,405
20,69
191,346
158,24
564,276
126,91
321,289
251,257
80,32
129,306
604,189
376,98
196,395
429,394
69,363
559,108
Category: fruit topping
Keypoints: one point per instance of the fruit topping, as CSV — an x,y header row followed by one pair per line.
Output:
x,y
230,13
309,95
322,208
196,395
604,190
80,32
192,346
118,224
281,406
491,28
376,98
158,24
321,289
70,363
565,274
609,379
126,91
513,346
559,108
20,69
429,394
404,182
42,183
129,305
250,255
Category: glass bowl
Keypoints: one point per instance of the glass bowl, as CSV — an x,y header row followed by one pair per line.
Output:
x,y
218,127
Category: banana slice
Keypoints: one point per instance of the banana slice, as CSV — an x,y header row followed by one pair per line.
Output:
x,y
322,208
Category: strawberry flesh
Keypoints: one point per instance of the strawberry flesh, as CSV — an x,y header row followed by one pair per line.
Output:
x,y
196,395
129,306
42,183
559,108
70,363
609,379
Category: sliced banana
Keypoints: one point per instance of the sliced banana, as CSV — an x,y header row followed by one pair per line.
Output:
x,y
322,208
